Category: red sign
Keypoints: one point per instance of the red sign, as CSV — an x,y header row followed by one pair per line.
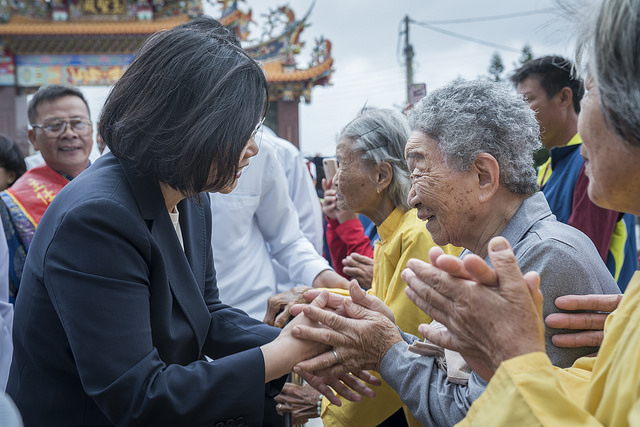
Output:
x,y
7,68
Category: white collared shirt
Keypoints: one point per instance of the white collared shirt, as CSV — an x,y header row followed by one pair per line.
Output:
x,y
257,223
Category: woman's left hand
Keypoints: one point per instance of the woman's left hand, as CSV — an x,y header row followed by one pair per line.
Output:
x,y
301,401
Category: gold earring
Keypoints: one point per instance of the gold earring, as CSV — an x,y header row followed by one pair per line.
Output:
x,y
378,191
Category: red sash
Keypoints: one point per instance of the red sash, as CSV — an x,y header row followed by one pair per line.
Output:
x,y
35,190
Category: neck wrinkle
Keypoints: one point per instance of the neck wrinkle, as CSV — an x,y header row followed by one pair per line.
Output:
x,y
498,221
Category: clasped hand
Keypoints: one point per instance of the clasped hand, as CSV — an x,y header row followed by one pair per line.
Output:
x,y
359,328
490,315
350,384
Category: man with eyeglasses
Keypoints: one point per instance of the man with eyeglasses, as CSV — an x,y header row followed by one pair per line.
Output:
x,y
62,131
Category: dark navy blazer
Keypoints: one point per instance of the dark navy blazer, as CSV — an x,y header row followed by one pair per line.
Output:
x,y
113,318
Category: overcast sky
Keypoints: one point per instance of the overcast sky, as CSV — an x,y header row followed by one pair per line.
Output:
x,y
367,50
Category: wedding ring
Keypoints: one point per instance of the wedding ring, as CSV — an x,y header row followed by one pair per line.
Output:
x,y
335,355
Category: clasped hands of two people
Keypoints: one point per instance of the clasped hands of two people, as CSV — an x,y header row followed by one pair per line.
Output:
x,y
491,315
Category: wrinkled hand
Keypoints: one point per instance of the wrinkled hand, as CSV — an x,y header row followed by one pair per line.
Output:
x,y
491,315
335,302
278,305
359,340
330,201
599,307
285,351
359,267
330,279
301,401
352,386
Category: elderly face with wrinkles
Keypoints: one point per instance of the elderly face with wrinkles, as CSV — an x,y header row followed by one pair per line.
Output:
x,y
442,197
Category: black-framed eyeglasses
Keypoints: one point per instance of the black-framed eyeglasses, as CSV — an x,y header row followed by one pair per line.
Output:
x,y
57,127
258,127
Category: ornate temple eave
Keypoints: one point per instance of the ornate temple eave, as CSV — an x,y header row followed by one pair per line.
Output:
x,y
27,27
296,84
271,48
28,36
230,18
277,73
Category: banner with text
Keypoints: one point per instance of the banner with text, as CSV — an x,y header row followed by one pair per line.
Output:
x,y
78,70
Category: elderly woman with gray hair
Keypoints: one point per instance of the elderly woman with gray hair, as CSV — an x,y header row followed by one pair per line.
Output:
x,y
470,157
373,180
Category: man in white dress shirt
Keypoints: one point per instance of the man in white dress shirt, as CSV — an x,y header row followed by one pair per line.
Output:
x,y
259,246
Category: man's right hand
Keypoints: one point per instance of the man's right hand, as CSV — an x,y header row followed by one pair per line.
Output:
x,y
278,305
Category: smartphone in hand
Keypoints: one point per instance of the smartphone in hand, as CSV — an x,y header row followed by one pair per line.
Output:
x,y
330,166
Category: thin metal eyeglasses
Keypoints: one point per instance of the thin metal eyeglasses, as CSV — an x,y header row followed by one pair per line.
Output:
x,y
58,127
258,127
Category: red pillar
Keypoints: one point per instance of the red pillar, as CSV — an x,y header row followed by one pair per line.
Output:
x,y
288,126
13,116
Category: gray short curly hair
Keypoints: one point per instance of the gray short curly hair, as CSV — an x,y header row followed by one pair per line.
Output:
x,y
380,135
467,118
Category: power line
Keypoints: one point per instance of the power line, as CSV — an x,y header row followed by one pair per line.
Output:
x,y
431,26
463,37
486,18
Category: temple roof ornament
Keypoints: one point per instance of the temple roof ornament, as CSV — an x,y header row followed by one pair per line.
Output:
x,y
278,48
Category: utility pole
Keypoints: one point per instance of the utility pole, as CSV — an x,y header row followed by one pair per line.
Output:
x,y
408,53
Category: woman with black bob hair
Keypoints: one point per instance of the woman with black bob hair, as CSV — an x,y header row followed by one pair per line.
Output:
x,y
186,125
118,305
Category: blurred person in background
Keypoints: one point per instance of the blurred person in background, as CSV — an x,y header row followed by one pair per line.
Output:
x,y
264,226
350,244
553,91
11,162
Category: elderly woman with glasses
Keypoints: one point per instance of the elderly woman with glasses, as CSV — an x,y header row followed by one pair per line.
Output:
x,y
373,180
471,160
118,321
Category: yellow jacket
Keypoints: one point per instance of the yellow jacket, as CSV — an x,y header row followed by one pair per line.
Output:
x,y
603,390
402,236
